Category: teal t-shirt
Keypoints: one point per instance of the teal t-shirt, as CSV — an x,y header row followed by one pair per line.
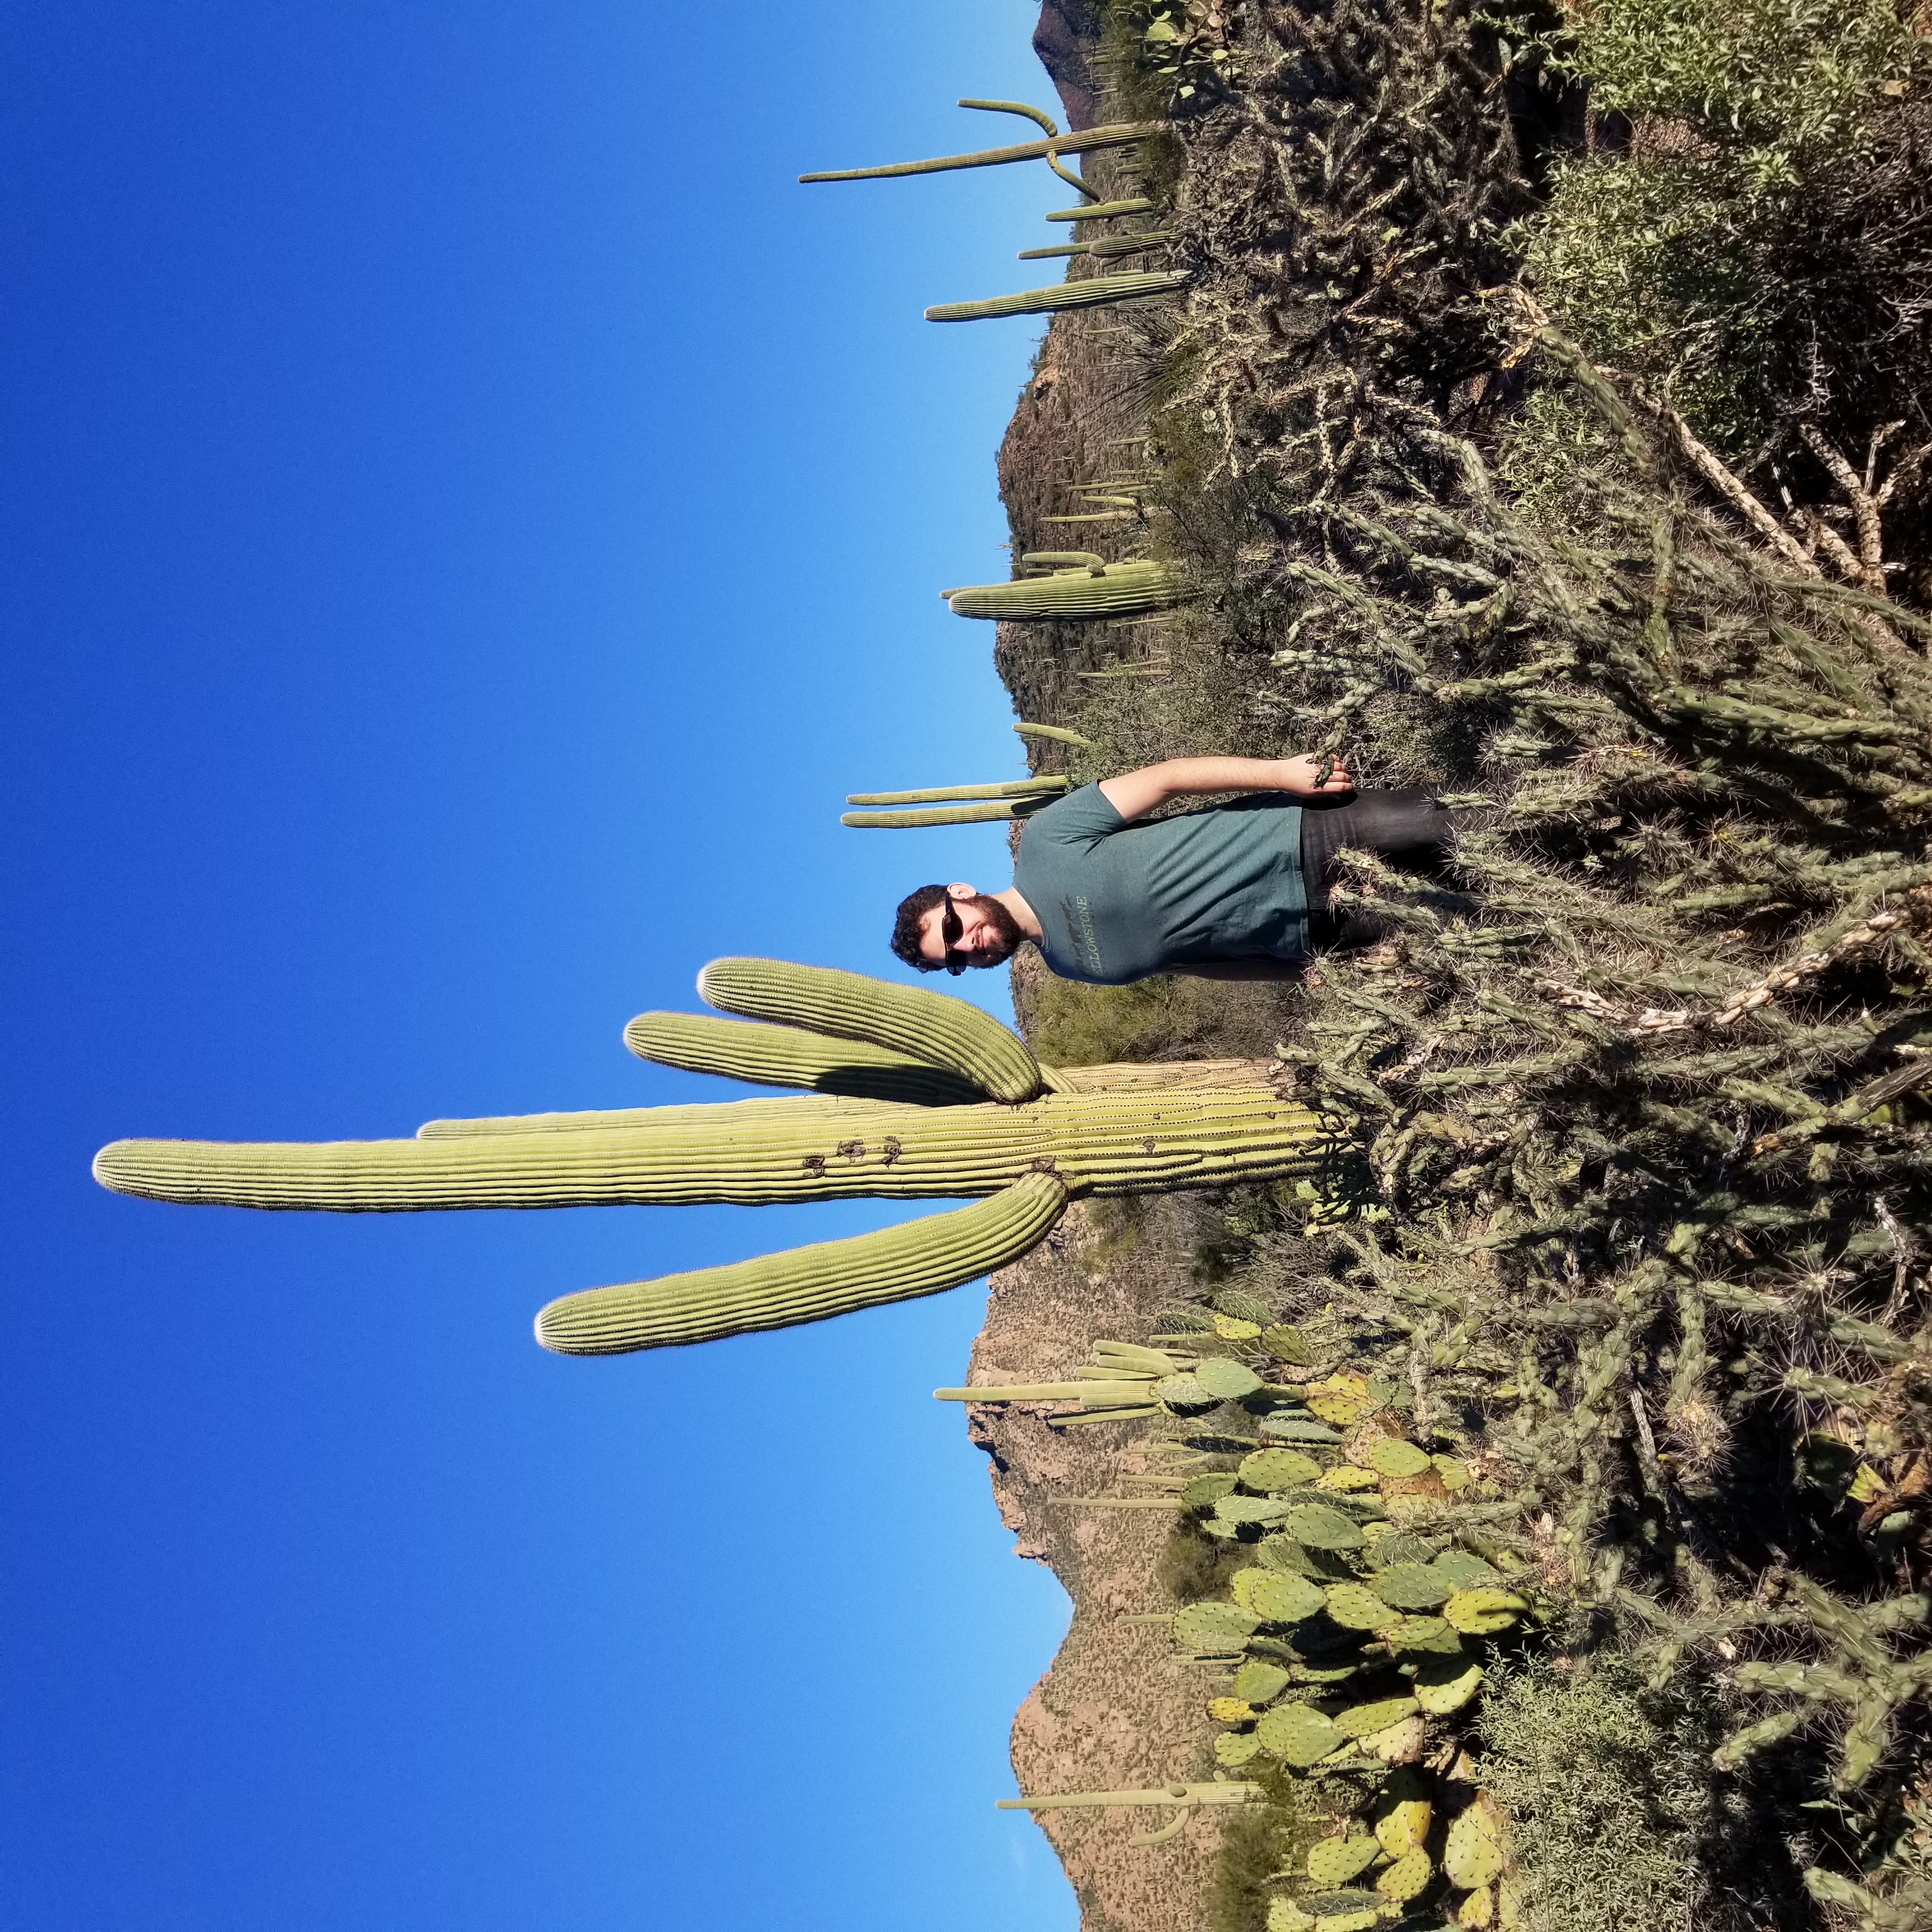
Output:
x,y
1117,899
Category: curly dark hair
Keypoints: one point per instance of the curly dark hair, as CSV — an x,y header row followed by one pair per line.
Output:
x,y
913,908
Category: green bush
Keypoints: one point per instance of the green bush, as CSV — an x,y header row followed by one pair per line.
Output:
x,y
1782,83
1607,1791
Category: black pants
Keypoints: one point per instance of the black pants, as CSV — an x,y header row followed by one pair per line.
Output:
x,y
1411,830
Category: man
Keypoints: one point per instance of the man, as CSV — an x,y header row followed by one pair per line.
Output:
x,y
1237,891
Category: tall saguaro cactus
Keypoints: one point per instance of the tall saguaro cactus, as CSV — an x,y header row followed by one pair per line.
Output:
x,y
915,1095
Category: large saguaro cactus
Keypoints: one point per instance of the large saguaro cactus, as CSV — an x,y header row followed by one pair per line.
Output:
x,y
914,1095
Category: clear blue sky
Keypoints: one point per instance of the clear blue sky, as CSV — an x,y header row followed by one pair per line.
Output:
x,y
469,517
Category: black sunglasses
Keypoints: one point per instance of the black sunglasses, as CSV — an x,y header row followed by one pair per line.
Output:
x,y
950,932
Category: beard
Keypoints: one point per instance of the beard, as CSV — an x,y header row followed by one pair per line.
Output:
x,y
1005,928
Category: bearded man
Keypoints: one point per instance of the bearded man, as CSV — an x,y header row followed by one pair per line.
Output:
x,y
1233,891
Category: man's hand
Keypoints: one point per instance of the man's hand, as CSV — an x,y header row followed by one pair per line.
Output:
x,y
1134,794
1313,772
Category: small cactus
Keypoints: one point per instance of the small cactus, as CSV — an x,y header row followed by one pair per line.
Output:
x,y
1444,1684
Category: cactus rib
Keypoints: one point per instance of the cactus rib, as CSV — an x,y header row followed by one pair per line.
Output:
x,y
1057,732
807,1284
1119,134
1092,292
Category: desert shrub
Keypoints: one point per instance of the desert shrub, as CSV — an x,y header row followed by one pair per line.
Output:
x,y
1172,1017
1780,84
1608,1792
1754,235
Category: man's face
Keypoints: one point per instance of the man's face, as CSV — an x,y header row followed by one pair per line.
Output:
x,y
968,929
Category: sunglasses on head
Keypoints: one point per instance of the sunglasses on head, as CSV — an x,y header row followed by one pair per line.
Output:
x,y
950,933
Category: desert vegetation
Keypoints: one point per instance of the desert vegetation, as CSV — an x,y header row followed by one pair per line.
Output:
x,y
1530,403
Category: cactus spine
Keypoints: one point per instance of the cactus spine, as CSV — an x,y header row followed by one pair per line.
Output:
x,y
1026,1141
1093,292
1076,596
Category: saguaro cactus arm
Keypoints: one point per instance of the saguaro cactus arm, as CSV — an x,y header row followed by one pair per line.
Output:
x,y
1103,210
1018,799
1058,732
930,1027
1038,116
994,810
1090,293
937,794
1229,1793
786,1056
1120,134
807,1284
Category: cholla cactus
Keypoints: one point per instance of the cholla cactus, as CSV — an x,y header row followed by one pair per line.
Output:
x,y
1078,586
915,1095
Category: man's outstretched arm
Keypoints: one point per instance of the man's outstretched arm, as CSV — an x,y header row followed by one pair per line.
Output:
x,y
1134,794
